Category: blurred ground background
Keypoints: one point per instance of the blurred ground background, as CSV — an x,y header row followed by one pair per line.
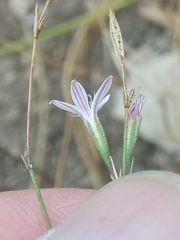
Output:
x,y
62,153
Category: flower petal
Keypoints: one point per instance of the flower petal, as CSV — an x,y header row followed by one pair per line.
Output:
x,y
140,103
68,107
100,94
80,99
101,104
136,107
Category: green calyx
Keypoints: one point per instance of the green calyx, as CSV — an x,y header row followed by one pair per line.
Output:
x,y
132,131
99,138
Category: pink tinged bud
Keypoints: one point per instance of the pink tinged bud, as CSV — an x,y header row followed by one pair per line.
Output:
x,y
136,108
133,125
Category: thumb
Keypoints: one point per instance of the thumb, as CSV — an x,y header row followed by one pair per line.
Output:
x,y
144,205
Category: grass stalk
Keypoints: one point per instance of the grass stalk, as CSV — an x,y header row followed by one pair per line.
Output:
x,y
38,26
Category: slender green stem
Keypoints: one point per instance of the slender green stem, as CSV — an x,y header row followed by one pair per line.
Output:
x,y
27,162
125,144
112,169
41,202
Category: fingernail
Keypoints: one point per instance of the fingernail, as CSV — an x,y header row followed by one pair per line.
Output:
x,y
46,235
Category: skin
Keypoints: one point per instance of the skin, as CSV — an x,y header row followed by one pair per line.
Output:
x,y
144,205
21,217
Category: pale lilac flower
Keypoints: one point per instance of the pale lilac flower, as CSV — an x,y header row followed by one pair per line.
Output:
x,y
86,106
136,108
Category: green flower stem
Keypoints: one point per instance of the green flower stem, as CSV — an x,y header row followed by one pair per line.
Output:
x,y
39,196
29,166
125,169
112,169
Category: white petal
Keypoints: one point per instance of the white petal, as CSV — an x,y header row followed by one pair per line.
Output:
x,y
100,95
68,107
103,102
